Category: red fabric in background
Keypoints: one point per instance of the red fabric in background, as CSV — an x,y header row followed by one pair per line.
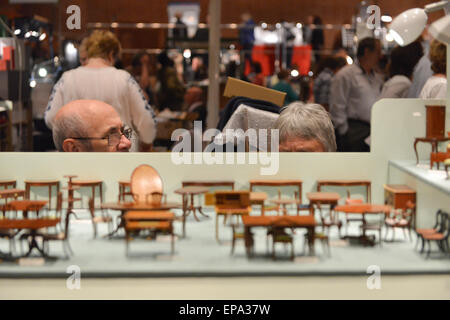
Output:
x,y
265,55
301,56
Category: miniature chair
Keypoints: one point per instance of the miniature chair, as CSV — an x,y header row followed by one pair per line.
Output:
x,y
147,188
441,216
440,237
231,203
279,235
238,234
350,200
404,220
146,185
324,239
103,218
60,236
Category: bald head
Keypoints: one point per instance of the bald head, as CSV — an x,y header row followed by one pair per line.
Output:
x,y
79,120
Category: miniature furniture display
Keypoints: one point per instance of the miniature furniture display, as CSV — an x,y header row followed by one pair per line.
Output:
x,y
42,183
148,212
32,226
288,222
441,237
435,129
124,190
154,221
282,183
231,204
349,183
5,184
446,166
188,206
103,218
280,235
398,196
90,184
25,206
402,219
11,193
317,200
366,209
438,227
209,196
438,157
62,236
70,189
258,198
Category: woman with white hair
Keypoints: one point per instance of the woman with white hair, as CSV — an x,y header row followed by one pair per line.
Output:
x,y
305,128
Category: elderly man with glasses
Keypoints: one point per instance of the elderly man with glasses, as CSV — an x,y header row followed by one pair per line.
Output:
x,y
90,126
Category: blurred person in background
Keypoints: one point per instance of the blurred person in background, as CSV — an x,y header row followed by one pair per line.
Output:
x,y
171,90
400,69
284,85
354,90
321,89
141,70
422,71
194,102
247,37
436,86
99,80
256,76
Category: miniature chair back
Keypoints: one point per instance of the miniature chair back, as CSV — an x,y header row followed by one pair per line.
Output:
x,y
146,185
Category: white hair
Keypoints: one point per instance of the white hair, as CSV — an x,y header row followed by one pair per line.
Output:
x,y
65,127
307,121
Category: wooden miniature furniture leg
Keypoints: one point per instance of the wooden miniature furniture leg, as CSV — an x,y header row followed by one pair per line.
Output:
x,y
415,151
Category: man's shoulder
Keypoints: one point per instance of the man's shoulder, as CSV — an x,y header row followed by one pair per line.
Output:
x,y
347,70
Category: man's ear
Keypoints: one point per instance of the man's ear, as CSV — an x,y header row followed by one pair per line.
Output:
x,y
71,145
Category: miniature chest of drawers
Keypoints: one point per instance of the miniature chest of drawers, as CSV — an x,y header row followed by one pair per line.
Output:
x,y
397,195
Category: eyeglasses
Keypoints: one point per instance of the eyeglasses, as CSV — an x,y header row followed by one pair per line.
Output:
x,y
113,138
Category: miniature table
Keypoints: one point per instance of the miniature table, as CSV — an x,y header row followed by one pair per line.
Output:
x,y
208,183
42,183
11,193
364,209
123,207
307,222
258,198
433,141
319,198
347,183
26,205
186,192
278,183
33,225
8,183
90,184
285,202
